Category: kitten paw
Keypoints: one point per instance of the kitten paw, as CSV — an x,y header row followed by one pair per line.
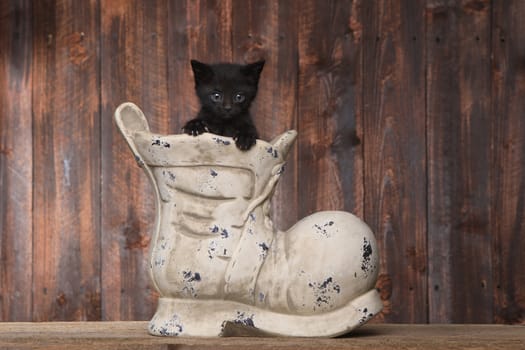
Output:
x,y
245,141
195,127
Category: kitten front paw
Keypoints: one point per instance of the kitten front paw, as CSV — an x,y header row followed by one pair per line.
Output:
x,y
245,141
195,127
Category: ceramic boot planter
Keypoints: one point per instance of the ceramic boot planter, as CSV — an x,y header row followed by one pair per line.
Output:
x,y
217,261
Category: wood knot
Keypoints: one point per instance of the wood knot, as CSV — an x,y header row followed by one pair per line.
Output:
x,y
78,54
384,286
139,242
254,49
61,299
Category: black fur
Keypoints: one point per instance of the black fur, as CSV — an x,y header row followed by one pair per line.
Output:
x,y
226,92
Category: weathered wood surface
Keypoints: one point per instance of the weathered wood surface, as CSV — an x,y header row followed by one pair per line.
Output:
x,y
134,67
507,170
16,163
395,153
66,161
458,129
133,335
410,114
329,152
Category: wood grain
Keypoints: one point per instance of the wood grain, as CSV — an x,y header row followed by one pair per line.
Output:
x,y
66,163
394,148
16,161
329,120
133,58
133,335
458,113
508,167
155,68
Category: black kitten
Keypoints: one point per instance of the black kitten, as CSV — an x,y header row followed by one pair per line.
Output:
x,y
226,92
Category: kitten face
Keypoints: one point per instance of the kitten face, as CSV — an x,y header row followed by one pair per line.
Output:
x,y
226,90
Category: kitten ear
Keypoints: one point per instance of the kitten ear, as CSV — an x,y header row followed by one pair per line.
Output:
x,y
202,72
253,69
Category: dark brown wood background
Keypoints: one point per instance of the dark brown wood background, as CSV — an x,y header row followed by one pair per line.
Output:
x,y
411,114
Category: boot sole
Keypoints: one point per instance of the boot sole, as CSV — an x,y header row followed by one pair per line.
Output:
x,y
211,318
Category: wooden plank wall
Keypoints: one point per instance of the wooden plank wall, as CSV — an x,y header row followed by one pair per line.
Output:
x,y
395,152
410,114
458,113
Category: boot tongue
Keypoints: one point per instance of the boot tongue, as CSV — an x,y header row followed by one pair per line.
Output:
x,y
284,142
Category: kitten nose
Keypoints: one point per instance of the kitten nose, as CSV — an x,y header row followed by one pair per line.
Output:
x,y
228,108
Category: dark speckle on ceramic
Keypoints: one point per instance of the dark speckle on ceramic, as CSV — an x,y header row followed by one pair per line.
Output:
x,y
264,250
172,327
220,141
272,151
212,249
324,292
158,142
189,279
366,262
244,319
160,262
219,231
365,315
139,161
322,229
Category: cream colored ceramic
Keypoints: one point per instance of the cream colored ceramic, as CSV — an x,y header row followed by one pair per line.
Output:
x,y
221,267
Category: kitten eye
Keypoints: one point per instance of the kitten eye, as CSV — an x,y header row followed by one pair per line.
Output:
x,y
216,97
239,98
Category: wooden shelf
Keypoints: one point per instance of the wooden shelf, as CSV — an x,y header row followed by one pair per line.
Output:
x,y
133,335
